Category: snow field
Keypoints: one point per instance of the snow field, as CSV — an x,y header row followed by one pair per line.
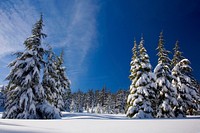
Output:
x,y
100,123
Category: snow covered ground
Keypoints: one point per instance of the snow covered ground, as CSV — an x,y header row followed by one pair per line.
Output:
x,y
100,123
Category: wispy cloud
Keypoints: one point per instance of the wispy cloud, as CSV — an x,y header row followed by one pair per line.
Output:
x,y
75,30
80,36
16,19
70,25
15,25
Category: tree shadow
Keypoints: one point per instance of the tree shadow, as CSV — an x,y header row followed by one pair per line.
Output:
x,y
92,116
14,131
71,116
8,124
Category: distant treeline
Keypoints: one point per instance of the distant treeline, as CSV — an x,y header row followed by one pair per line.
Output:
x,y
97,101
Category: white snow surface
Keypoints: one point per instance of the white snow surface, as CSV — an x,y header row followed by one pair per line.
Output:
x,y
100,123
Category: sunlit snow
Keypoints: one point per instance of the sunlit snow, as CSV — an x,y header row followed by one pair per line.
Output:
x,y
100,123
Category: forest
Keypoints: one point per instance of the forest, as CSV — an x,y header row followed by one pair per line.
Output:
x,y
38,86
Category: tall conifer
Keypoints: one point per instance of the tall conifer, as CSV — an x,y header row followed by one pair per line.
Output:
x,y
142,89
166,93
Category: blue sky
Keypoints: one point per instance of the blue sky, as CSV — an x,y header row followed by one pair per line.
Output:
x,y
97,35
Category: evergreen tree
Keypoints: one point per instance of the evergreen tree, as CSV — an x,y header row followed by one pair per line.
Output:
x,y
135,62
135,71
177,54
67,100
97,98
142,88
63,83
73,106
121,99
166,93
177,57
188,95
49,79
102,96
100,99
199,87
148,77
80,99
90,101
84,102
2,96
109,107
77,104
25,94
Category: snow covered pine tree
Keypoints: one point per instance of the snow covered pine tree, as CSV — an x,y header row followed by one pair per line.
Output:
x,y
188,95
50,79
121,98
135,70
77,102
109,104
25,94
177,57
90,101
142,89
63,83
166,93
2,96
